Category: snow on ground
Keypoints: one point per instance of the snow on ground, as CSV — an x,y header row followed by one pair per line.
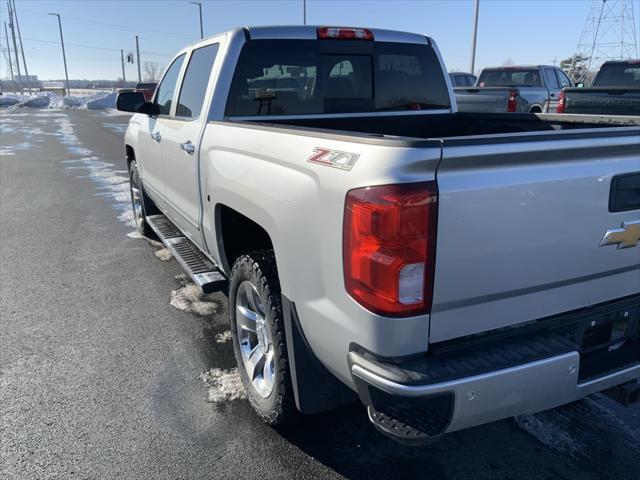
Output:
x,y
163,254
116,127
223,337
189,298
224,385
93,100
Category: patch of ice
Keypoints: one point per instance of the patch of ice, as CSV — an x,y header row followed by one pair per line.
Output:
x,y
223,337
116,127
163,254
224,385
190,298
6,152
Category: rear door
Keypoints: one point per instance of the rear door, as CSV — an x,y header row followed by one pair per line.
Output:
x,y
521,223
553,86
181,140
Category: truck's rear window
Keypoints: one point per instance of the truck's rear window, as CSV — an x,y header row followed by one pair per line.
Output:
x,y
510,77
302,77
618,75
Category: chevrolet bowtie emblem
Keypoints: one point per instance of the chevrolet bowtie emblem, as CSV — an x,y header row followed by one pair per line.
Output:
x,y
625,237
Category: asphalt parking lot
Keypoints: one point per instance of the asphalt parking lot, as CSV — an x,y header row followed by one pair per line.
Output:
x,y
103,346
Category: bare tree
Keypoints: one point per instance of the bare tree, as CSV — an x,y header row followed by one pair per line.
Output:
x,y
151,71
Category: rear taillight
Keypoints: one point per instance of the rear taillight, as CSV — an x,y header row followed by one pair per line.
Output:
x,y
561,99
512,103
345,33
389,247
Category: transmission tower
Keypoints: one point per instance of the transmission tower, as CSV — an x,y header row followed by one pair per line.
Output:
x,y
610,33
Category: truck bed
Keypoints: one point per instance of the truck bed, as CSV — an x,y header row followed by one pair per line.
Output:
x,y
449,125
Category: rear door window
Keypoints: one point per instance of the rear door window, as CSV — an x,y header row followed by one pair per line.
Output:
x,y
550,78
293,77
167,87
196,80
563,79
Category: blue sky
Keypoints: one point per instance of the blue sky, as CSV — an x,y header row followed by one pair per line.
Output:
x,y
525,31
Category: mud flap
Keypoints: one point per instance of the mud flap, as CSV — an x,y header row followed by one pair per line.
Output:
x,y
315,389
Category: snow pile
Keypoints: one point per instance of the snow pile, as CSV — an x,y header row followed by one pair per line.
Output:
x,y
163,254
9,100
224,385
189,298
101,103
100,100
223,337
36,102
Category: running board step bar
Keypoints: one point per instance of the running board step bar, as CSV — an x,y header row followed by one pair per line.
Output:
x,y
201,269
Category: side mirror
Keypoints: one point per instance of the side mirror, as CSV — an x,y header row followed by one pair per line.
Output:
x,y
579,85
135,102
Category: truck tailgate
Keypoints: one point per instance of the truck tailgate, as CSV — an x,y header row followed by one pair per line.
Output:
x,y
487,99
520,223
599,100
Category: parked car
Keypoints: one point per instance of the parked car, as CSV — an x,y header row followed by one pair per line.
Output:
x,y
147,89
461,79
533,89
446,269
615,90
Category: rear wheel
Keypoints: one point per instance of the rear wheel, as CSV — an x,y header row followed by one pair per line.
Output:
x,y
259,344
140,203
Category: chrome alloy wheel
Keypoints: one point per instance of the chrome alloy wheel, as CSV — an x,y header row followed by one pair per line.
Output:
x,y
136,205
254,337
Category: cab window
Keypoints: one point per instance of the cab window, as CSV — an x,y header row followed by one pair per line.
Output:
x,y
167,87
196,80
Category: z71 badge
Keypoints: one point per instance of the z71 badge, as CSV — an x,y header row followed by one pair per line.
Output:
x,y
334,158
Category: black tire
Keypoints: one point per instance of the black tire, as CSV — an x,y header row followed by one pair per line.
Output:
x,y
259,268
148,207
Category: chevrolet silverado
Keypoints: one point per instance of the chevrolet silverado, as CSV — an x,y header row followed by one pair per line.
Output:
x,y
446,269
615,90
534,89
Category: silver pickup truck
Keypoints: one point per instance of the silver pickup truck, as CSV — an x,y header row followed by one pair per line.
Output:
x,y
533,89
446,269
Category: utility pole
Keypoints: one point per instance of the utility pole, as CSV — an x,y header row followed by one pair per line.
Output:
x,y
26,71
124,78
138,54
199,4
6,34
304,12
15,46
475,38
64,55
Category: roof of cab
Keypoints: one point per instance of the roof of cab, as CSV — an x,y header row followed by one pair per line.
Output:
x,y
310,32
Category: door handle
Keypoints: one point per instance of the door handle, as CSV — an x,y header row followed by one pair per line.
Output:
x,y
553,95
188,147
156,136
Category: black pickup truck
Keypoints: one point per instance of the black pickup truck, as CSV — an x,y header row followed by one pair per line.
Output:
x,y
615,90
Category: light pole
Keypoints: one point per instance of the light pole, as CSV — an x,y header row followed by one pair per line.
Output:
x,y
304,12
199,4
64,55
475,38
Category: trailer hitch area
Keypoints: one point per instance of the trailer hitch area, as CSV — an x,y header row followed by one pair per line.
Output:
x,y
625,394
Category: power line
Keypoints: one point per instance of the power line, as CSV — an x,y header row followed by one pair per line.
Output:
x,y
93,47
116,26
